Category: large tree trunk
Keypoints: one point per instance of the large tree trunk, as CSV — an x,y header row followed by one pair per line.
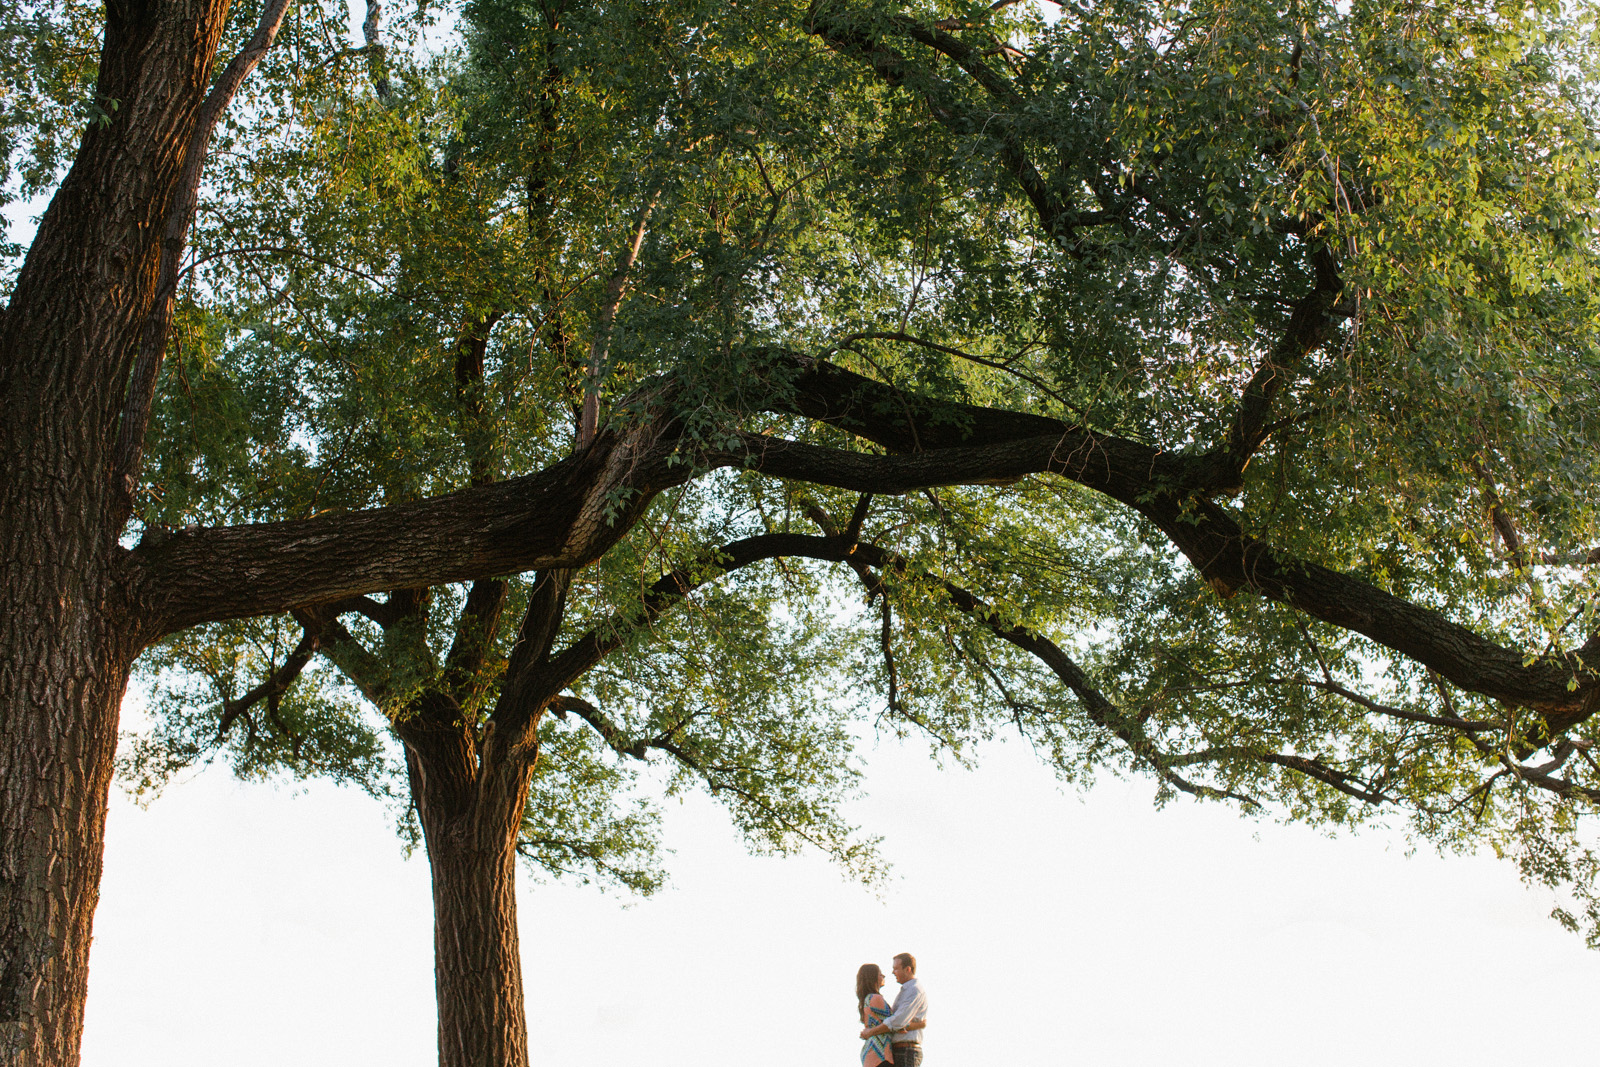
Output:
x,y
477,964
67,630
470,818
63,666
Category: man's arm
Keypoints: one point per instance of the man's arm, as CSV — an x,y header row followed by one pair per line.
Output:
x,y
900,1018
906,1009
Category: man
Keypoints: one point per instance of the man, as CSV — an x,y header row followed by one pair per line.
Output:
x,y
910,1006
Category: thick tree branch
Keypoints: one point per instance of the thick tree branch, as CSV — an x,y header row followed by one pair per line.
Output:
x,y
346,652
568,514
129,453
475,631
384,614
1310,326
477,433
908,422
1220,550
430,723
516,712
1169,490
564,515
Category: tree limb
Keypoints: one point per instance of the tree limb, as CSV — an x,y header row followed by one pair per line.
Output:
x,y
1347,784
129,452
274,686
616,289
475,630
476,432
565,667
571,512
1310,326
516,712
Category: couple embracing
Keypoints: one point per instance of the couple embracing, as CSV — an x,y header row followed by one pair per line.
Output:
x,y
893,1035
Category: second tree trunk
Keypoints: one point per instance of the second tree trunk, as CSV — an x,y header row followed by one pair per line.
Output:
x,y
471,841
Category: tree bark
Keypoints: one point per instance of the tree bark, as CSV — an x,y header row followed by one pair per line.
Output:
x,y
471,811
477,962
68,633
63,667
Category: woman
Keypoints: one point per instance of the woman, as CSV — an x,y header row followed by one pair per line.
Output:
x,y
874,1009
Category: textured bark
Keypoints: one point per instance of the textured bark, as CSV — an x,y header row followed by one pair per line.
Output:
x,y
174,235
477,962
565,515
470,788
63,666
66,636
470,812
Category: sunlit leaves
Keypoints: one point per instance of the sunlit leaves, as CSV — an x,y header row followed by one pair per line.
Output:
x,y
1114,218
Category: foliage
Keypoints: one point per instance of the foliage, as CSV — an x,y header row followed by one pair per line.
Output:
x,y
1348,249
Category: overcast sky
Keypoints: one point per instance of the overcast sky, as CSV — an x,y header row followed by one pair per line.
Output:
x,y
244,925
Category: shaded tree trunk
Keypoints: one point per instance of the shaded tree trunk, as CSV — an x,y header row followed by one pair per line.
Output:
x,y
477,963
68,631
63,666
470,816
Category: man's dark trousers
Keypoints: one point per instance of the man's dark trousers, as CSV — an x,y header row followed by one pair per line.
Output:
x,y
907,1055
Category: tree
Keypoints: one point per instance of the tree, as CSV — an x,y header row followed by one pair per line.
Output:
x,y
375,335
1155,270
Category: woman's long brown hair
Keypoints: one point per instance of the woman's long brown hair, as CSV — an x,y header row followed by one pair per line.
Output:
x,y
866,985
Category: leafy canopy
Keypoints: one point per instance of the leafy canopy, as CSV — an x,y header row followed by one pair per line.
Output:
x,y
1345,251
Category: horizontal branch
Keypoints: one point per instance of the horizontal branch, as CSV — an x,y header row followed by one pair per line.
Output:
x,y
1347,784
568,514
1452,722
1231,560
564,515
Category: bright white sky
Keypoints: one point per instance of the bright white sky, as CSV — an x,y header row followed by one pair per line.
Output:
x,y
247,925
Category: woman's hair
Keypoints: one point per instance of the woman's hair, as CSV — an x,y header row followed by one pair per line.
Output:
x,y
866,985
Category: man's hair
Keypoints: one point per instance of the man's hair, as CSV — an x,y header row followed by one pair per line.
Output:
x,y
906,960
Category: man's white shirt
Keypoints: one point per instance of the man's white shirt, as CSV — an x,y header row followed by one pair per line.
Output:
x,y
910,1004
